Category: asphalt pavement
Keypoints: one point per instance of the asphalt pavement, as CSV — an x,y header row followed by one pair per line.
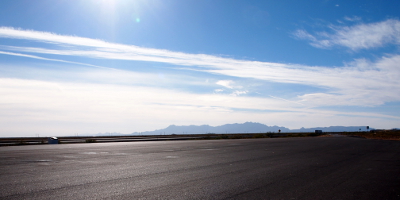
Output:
x,y
270,168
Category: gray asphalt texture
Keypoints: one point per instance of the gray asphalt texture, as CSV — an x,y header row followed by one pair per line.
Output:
x,y
272,168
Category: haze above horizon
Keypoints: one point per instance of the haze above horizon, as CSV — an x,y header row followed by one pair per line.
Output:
x,y
97,66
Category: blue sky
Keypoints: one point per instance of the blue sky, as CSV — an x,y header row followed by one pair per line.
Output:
x,y
96,66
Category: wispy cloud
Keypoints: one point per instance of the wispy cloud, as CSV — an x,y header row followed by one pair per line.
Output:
x,y
285,100
226,83
360,36
236,90
352,19
49,59
239,92
361,83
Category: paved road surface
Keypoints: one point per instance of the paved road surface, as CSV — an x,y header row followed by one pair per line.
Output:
x,y
274,168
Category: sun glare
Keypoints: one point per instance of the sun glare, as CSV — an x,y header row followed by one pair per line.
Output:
x,y
110,8
108,2
107,6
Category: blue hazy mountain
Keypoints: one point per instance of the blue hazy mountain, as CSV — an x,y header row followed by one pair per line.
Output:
x,y
248,127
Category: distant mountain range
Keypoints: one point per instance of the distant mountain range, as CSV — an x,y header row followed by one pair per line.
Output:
x,y
248,127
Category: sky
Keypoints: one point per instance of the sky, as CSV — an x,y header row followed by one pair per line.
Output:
x,y
122,66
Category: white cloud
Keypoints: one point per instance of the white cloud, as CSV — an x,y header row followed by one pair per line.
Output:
x,y
353,19
48,59
286,100
232,86
226,83
238,92
360,83
360,36
302,34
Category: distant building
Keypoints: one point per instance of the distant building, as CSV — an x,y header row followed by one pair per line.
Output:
x,y
318,131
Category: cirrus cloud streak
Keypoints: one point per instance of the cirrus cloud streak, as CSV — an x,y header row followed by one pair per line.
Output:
x,y
360,36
